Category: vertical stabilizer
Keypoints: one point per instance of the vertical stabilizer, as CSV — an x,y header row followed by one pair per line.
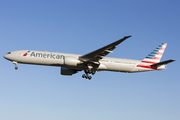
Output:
x,y
155,56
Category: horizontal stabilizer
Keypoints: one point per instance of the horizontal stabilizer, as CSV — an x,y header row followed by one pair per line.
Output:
x,y
163,63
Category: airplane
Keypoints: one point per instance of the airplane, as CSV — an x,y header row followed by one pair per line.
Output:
x,y
92,62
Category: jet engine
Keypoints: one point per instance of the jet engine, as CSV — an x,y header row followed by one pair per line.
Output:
x,y
67,71
71,61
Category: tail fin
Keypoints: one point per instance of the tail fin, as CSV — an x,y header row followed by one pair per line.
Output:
x,y
155,56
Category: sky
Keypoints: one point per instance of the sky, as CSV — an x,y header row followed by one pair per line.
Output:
x,y
81,26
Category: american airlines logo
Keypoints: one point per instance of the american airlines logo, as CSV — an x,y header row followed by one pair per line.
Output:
x,y
26,53
45,55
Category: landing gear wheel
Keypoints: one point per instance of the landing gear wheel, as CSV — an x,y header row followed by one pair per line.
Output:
x,y
86,71
16,67
83,76
89,77
86,76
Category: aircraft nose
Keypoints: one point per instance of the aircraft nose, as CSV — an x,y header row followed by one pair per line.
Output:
x,y
5,56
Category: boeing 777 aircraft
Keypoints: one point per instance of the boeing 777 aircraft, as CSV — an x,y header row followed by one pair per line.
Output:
x,y
92,62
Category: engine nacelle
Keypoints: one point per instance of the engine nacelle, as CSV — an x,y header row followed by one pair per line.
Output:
x,y
71,61
67,71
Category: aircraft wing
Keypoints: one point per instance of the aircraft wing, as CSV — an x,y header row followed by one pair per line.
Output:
x,y
96,55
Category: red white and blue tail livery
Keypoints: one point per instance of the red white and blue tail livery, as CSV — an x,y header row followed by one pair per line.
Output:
x,y
155,56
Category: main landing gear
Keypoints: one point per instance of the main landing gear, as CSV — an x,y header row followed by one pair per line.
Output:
x,y
86,76
15,63
87,72
90,69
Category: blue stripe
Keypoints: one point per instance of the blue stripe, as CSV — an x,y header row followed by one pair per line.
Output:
x,y
153,52
156,51
149,57
158,48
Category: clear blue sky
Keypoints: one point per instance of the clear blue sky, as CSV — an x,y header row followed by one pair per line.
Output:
x,y
82,26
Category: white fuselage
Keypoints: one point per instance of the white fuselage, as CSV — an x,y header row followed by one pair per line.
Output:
x,y
72,61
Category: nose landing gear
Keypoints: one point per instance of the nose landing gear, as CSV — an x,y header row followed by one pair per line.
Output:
x,y
16,68
15,63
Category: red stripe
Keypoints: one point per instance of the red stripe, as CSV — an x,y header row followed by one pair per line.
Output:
x,y
147,66
25,54
157,58
162,48
148,62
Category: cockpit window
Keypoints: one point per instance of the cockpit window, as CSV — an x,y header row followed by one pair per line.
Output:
x,y
9,53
